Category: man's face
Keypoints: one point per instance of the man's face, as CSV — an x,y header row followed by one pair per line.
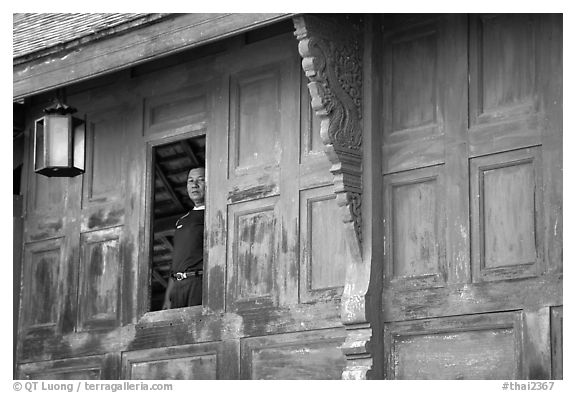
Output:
x,y
196,186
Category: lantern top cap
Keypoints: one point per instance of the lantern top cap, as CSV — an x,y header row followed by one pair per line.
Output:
x,y
59,108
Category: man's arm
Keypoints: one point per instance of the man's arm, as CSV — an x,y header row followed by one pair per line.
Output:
x,y
167,304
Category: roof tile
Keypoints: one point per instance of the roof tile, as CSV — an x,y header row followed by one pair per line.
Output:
x,y
37,32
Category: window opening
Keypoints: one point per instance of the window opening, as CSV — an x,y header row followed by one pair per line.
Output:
x,y
174,210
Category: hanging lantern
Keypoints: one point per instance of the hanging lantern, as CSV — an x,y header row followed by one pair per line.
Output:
x,y
59,142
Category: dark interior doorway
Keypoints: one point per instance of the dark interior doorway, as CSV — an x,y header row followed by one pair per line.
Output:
x,y
172,162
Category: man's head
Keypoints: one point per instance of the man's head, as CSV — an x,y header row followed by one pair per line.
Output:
x,y
196,186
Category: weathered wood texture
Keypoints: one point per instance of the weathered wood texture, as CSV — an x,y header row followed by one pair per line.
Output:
x,y
201,361
557,341
17,237
180,32
88,240
90,367
466,347
305,355
471,183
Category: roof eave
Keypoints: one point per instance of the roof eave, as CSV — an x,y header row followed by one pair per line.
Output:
x,y
142,43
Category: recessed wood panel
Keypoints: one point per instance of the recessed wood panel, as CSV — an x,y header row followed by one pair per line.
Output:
x,y
507,60
184,362
324,252
42,279
100,278
88,368
255,118
413,80
506,214
415,238
466,347
88,374
503,101
413,58
104,176
305,355
252,251
504,246
192,367
174,110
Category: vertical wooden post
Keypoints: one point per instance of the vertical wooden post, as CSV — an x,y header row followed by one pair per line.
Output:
x,y
17,229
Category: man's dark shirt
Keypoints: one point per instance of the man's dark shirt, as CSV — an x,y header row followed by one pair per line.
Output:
x,y
189,242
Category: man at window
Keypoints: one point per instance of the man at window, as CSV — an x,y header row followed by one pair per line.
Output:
x,y
185,283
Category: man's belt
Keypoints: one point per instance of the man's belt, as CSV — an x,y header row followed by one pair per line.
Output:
x,y
179,276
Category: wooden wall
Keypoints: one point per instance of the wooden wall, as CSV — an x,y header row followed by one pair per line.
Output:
x,y
472,196
272,279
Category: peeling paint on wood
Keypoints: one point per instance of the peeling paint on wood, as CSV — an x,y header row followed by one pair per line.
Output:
x,y
101,218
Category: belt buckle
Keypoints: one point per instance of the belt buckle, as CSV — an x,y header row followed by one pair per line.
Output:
x,y
180,276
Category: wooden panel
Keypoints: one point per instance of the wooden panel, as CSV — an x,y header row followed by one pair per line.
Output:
x,y
506,61
179,109
192,367
557,339
255,118
100,279
415,229
414,62
48,193
304,355
198,361
536,349
104,175
260,92
42,297
502,245
261,184
502,83
74,374
550,76
46,203
465,347
192,325
507,215
89,368
323,252
412,113
456,299
252,252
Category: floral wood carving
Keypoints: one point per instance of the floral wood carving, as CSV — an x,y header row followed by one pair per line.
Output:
x,y
331,50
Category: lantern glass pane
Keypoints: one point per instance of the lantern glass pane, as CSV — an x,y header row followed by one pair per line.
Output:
x,y
39,146
79,143
57,138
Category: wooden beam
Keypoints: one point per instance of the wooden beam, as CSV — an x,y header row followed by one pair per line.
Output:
x,y
163,38
168,186
190,153
166,242
159,278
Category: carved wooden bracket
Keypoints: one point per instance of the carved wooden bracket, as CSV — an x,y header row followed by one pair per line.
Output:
x,y
331,50
331,58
